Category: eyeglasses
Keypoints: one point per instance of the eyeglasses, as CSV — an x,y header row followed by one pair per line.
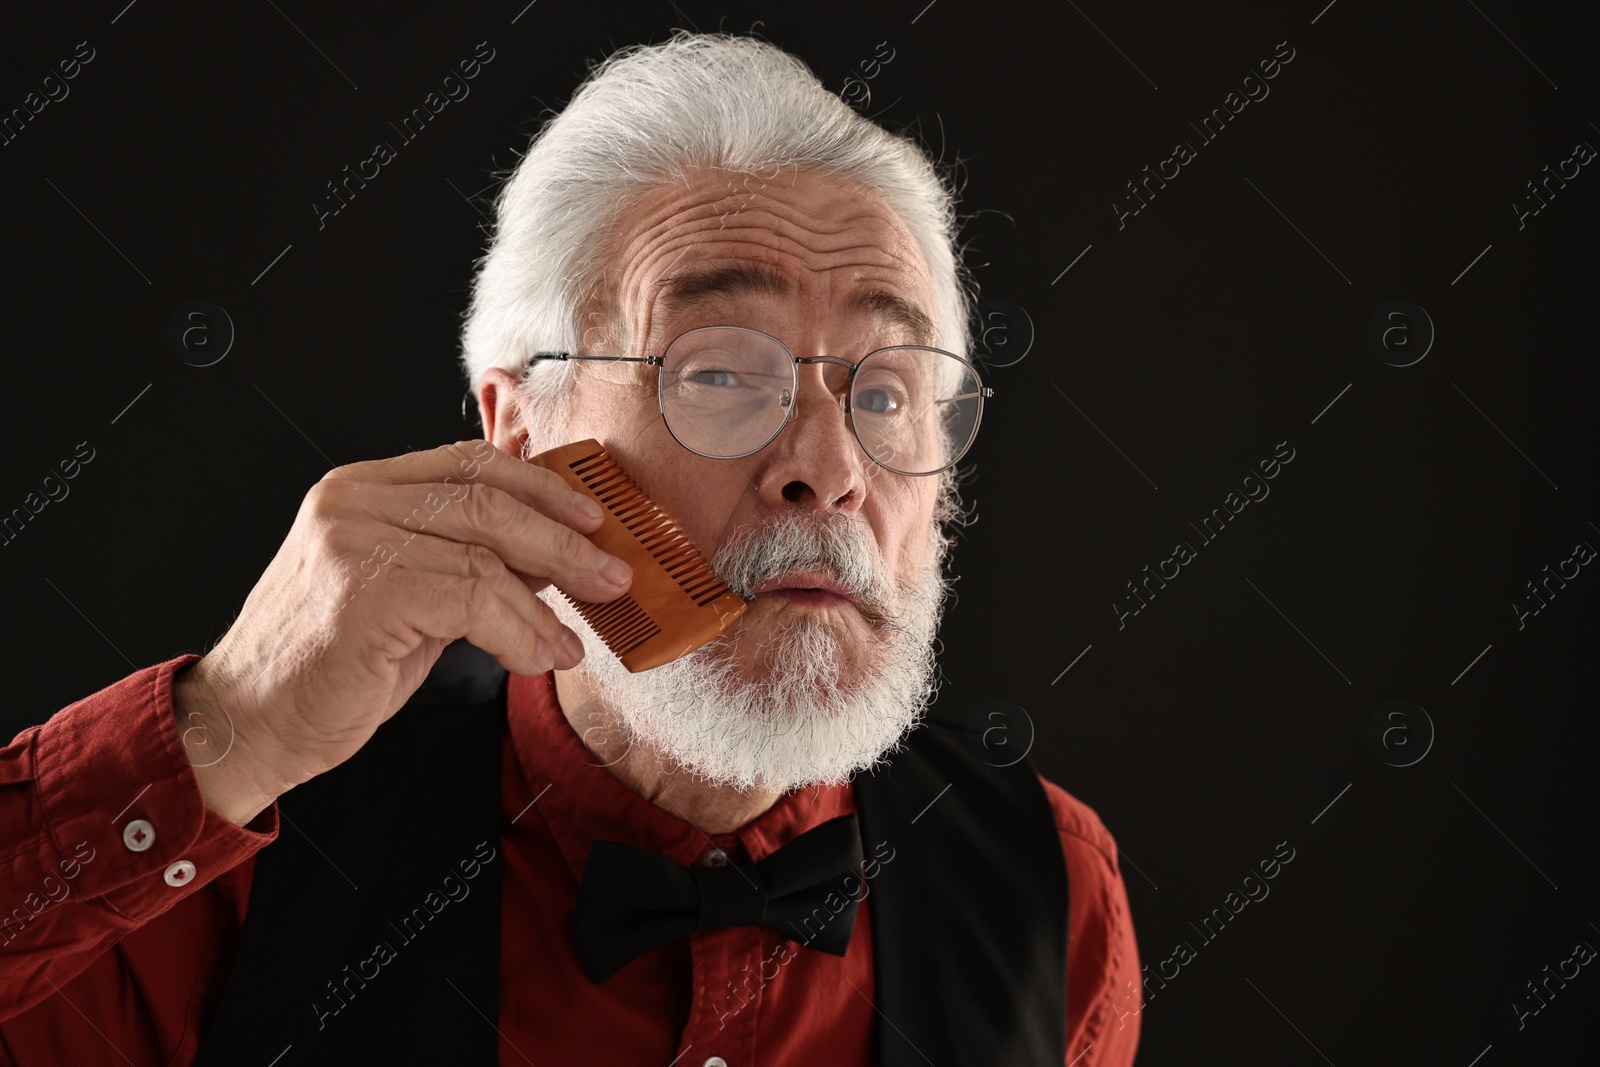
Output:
x,y
726,392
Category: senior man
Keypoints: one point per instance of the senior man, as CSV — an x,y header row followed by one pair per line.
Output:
x,y
407,810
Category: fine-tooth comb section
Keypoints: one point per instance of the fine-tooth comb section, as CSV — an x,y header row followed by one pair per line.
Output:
x,y
654,531
676,603
627,623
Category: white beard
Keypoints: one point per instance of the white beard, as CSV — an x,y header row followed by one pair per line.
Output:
x,y
797,726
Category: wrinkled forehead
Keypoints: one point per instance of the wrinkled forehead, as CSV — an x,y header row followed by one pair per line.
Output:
x,y
721,238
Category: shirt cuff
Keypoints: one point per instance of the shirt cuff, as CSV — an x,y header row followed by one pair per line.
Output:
x,y
121,803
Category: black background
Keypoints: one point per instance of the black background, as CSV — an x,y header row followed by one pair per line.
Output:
x,y
1222,719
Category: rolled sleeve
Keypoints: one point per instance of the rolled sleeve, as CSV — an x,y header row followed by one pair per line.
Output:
x,y
121,816
1104,995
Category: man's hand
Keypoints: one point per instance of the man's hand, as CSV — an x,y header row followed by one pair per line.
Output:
x,y
388,561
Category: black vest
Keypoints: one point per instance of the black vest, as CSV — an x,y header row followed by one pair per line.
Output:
x,y
969,919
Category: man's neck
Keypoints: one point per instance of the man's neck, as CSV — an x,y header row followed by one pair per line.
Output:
x,y
711,808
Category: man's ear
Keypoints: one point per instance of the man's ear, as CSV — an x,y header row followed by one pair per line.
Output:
x,y
497,410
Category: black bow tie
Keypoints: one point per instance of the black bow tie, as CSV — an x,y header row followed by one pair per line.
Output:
x,y
632,900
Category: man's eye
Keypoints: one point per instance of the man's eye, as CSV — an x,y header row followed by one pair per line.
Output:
x,y
714,377
877,401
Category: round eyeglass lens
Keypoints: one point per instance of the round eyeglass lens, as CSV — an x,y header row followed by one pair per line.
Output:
x,y
726,390
915,409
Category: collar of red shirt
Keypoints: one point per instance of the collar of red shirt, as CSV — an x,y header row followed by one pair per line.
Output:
x,y
581,800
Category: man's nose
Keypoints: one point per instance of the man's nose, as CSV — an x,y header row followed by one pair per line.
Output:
x,y
815,460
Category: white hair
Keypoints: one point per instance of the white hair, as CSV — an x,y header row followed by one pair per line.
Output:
x,y
645,117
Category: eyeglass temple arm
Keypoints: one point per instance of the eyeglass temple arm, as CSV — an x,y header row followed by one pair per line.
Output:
x,y
654,361
985,392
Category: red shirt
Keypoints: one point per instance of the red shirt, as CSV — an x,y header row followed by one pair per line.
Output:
x,y
113,950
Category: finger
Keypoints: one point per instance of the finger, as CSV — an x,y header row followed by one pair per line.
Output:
x,y
450,606
526,540
530,639
479,462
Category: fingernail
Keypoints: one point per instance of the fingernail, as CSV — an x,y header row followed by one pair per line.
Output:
x,y
615,570
574,647
587,505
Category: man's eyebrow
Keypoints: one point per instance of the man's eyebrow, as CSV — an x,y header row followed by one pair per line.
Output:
x,y
681,292
899,311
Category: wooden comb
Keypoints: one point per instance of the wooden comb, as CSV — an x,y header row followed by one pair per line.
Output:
x,y
676,603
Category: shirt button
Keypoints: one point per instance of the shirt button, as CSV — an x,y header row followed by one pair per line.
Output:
x,y
138,835
180,873
715,1061
714,857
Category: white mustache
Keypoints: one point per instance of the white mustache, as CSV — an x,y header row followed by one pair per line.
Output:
x,y
836,545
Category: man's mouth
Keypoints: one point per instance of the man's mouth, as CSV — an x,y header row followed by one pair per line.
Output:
x,y
810,588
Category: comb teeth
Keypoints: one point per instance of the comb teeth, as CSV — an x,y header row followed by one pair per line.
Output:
x,y
676,602
622,621
656,533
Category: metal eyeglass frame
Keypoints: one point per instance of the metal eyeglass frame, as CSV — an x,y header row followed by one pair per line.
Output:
x,y
659,362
